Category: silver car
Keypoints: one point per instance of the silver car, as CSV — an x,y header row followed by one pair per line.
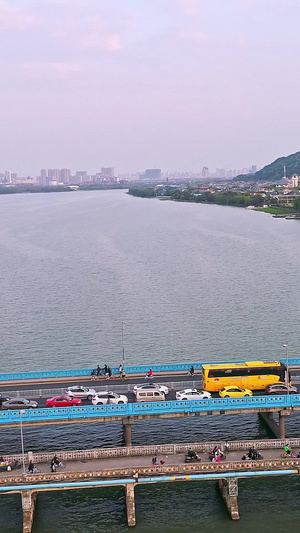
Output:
x,y
151,386
78,391
20,403
107,397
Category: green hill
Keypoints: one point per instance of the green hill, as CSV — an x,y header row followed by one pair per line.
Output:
x,y
274,171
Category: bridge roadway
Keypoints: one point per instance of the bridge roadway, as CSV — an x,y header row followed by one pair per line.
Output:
x,y
106,467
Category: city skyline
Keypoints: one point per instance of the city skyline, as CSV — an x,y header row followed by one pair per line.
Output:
x,y
174,84
56,176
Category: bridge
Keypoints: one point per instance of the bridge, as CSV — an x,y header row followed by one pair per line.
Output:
x,y
132,466
265,406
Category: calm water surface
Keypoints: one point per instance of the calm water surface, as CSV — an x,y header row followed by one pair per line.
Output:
x,y
191,282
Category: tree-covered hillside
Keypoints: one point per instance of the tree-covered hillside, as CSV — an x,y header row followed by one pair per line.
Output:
x,y
274,171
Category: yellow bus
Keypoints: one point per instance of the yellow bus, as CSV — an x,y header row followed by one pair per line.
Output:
x,y
253,375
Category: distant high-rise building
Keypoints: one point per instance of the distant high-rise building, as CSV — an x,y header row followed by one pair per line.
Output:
x,y
253,169
107,173
65,175
7,176
44,173
205,172
153,174
56,174
50,172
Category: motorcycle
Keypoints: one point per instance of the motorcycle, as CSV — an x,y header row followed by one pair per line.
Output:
x,y
212,456
194,459
255,456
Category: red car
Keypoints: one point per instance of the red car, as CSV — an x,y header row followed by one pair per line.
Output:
x,y
63,401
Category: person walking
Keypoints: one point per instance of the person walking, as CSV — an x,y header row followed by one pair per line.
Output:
x,y
226,447
120,370
98,371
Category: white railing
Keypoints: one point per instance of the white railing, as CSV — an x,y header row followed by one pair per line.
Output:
x,y
159,449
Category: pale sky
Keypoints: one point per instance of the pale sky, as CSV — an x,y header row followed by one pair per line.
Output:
x,y
135,84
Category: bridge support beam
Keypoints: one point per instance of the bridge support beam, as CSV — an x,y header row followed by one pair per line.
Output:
x,y
229,492
28,505
130,505
127,426
277,429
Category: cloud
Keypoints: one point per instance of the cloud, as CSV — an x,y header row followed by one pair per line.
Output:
x,y
99,35
110,43
13,18
190,7
49,69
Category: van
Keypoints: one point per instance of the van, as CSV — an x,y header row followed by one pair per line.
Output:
x,y
149,395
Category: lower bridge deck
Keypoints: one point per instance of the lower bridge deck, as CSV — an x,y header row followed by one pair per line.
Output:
x,y
130,467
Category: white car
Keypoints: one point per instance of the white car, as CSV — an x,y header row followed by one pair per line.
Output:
x,y
107,397
77,391
151,386
192,394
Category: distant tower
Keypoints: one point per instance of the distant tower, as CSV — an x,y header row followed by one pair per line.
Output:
x,y
284,172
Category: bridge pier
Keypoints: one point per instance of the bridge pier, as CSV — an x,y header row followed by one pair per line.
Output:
x,y
277,429
28,505
130,505
127,426
229,492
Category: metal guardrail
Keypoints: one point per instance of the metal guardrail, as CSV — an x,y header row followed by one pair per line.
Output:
x,y
139,369
154,409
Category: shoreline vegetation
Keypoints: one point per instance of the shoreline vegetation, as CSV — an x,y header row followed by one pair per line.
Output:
x,y
229,198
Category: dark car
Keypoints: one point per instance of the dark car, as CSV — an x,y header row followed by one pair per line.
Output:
x,y
19,403
281,388
3,399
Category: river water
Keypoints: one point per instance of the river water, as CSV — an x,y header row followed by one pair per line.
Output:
x,y
190,282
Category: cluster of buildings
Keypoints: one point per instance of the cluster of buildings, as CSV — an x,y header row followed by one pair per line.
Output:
x,y
64,176
220,173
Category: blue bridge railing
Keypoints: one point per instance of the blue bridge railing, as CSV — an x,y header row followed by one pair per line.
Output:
x,y
140,369
153,408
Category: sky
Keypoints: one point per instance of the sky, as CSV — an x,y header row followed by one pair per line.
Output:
x,y
135,84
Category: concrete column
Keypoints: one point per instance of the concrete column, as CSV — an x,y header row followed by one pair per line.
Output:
x,y
130,505
277,429
281,426
28,505
229,492
127,425
268,418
